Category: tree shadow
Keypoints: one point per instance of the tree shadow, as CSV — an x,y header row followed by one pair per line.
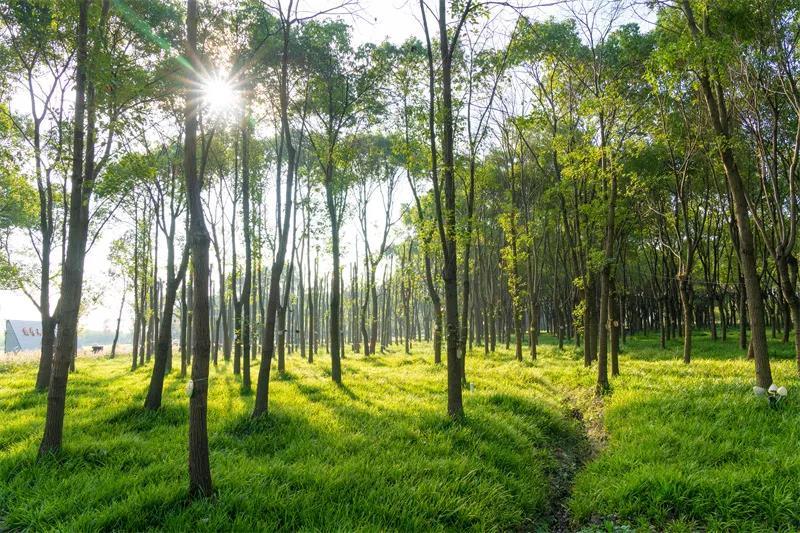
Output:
x,y
373,360
137,418
347,391
267,435
25,400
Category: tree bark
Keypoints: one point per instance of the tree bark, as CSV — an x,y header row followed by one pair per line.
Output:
x,y
335,292
684,289
164,342
244,299
199,467
446,215
82,178
116,330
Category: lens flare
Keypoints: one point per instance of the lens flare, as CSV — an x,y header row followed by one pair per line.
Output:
x,y
220,96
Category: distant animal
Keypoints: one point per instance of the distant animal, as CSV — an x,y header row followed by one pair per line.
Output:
x,y
97,349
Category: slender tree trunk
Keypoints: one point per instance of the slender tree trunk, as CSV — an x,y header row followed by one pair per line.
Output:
x,y
605,291
248,256
369,347
48,346
116,330
335,292
465,274
588,299
164,343
615,325
312,348
199,467
136,317
373,340
82,179
184,329
448,233
686,304
268,344
718,114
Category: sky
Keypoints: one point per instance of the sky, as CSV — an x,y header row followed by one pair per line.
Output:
x,y
373,21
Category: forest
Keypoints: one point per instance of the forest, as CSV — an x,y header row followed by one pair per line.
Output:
x,y
523,265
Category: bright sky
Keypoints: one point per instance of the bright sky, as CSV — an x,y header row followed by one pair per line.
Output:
x,y
374,21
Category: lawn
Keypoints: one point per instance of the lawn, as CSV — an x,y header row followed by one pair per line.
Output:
x,y
691,447
672,446
376,454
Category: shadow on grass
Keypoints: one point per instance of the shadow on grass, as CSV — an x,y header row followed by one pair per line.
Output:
x,y
268,434
136,418
373,360
314,393
286,376
26,400
347,391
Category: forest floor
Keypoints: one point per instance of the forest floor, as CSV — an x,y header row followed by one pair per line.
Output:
x,y
672,447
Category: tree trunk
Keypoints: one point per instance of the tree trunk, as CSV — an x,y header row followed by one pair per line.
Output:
x,y
268,344
717,109
605,291
164,343
368,346
48,346
184,329
82,178
373,339
684,289
448,233
199,468
116,330
614,325
248,256
335,295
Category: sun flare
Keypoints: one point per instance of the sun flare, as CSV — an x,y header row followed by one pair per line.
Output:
x,y
220,96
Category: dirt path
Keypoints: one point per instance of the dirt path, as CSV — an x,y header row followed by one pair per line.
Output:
x,y
572,458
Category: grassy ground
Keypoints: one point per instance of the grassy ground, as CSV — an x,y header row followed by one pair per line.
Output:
x,y
678,447
692,447
377,454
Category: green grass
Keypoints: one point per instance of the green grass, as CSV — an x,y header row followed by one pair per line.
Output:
x,y
691,447
377,454
678,447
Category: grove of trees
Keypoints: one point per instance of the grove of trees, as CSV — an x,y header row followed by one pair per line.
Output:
x,y
271,188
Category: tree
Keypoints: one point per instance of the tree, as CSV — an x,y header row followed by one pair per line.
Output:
x,y
373,170
166,195
287,19
446,209
39,35
82,183
198,238
407,83
706,61
344,90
